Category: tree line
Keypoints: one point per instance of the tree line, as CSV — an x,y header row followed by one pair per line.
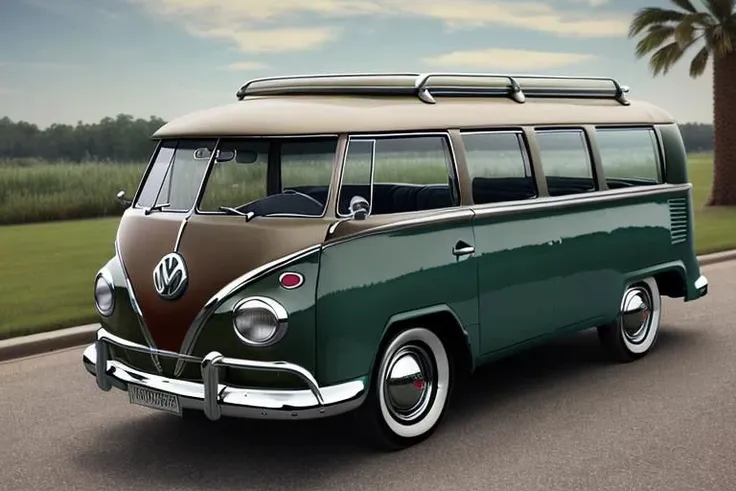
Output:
x,y
127,139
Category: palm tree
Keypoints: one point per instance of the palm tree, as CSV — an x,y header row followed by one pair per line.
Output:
x,y
669,34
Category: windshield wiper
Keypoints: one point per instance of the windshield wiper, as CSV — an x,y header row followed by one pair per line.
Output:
x,y
156,208
248,216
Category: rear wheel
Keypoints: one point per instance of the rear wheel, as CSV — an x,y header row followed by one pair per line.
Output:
x,y
410,390
635,332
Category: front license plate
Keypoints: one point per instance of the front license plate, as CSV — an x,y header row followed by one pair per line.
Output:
x,y
154,399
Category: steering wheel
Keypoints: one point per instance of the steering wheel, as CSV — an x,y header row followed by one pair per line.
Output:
x,y
302,195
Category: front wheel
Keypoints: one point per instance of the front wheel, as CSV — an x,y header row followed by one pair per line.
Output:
x,y
410,390
635,332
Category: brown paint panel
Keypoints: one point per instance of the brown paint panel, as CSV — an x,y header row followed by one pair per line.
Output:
x,y
143,241
216,249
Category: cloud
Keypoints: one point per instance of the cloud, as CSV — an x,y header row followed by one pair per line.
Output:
x,y
506,59
7,91
270,40
293,25
245,66
531,16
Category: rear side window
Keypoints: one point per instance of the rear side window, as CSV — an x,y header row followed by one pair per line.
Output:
x,y
411,173
629,156
566,161
499,167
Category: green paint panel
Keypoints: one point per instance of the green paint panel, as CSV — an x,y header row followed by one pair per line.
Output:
x,y
297,346
565,270
367,280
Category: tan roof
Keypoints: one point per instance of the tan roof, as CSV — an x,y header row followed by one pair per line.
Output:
x,y
359,103
287,115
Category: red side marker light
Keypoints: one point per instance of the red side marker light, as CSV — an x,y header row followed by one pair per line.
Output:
x,y
291,280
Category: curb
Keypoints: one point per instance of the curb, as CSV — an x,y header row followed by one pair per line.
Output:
x,y
717,257
36,344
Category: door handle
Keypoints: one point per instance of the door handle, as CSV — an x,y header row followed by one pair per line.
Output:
x,y
462,249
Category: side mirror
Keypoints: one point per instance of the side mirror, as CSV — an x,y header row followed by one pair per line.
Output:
x,y
359,207
122,199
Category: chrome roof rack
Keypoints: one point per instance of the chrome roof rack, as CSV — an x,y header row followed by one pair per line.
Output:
x,y
428,85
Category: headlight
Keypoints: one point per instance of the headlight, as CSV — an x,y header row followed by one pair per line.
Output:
x,y
259,321
104,293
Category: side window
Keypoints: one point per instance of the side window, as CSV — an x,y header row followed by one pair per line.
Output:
x,y
566,161
499,167
411,173
629,156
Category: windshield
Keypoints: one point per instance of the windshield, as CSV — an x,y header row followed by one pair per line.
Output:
x,y
175,175
249,176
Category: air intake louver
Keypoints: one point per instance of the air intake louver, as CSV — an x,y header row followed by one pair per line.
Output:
x,y
678,220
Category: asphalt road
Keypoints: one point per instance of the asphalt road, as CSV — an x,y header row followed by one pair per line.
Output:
x,y
557,418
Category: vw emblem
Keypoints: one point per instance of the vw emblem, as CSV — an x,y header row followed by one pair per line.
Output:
x,y
170,276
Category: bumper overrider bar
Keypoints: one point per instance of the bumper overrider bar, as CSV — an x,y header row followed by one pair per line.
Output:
x,y
215,398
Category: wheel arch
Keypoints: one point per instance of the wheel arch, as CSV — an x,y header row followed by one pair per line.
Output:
x,y
441,320
671,278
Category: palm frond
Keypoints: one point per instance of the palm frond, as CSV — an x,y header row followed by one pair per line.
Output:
x,y
665,58
649,16
685,5
684,32
699,62
656,36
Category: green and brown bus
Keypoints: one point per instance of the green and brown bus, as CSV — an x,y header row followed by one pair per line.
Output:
x,y
361,242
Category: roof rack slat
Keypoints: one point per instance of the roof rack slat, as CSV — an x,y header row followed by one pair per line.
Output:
x,y
427,86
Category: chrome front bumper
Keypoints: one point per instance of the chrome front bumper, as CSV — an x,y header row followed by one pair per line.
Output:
x,y
217,399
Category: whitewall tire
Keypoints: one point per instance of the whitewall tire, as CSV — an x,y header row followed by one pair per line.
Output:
x,y
410,389
636,330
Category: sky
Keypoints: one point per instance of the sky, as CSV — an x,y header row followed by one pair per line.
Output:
x,y
64,61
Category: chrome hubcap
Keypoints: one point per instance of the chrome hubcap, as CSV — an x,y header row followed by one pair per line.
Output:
x,y
636,314
409,383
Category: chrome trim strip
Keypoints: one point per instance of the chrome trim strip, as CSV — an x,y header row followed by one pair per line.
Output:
x,y
525,206
217,399
136,308
441,214
216,300
179,234
574,200
110,338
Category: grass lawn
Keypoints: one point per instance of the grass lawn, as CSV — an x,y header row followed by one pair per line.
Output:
x,y
47,269
715,229
47,273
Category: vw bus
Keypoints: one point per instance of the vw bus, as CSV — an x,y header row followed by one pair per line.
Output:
x,y
336,243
